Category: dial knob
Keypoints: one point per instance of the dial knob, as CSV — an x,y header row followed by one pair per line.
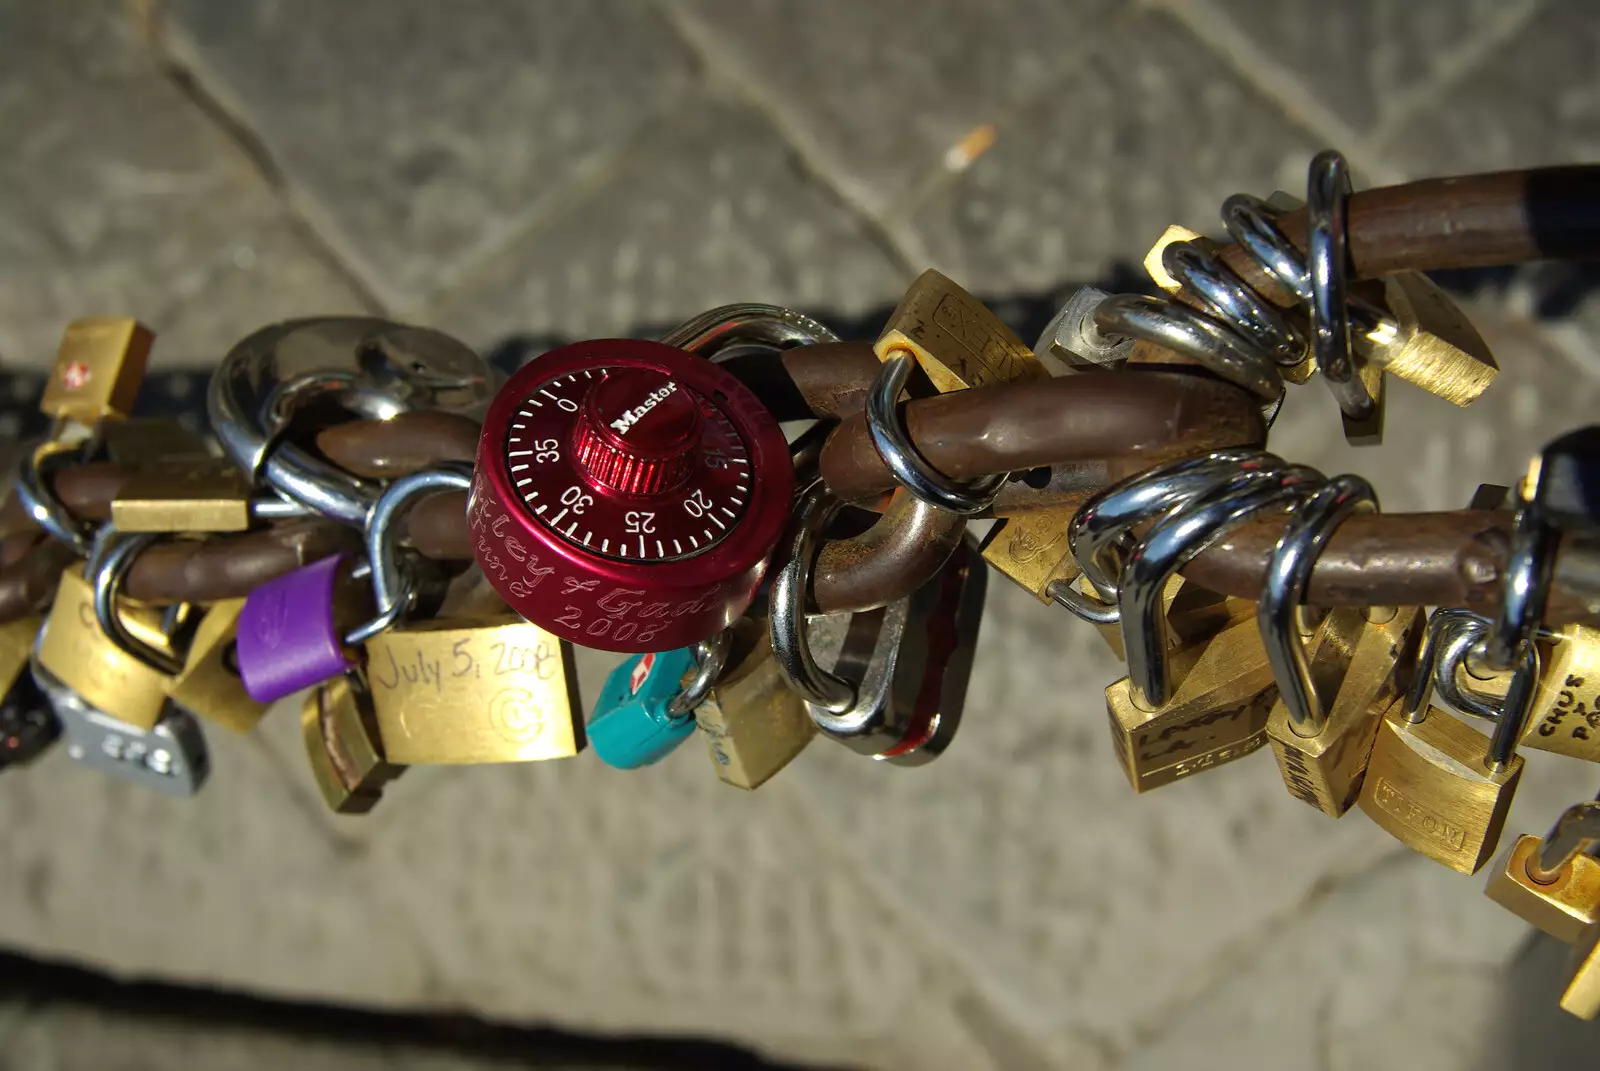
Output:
x,y
637,432
627,495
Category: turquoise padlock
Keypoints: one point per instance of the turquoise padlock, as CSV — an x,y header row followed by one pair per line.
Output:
x,y
632,725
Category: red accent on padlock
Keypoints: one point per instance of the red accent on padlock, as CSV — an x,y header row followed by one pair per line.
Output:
x,y
628,494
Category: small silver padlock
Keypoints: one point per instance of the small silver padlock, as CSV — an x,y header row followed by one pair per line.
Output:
x,y
890,683
171,757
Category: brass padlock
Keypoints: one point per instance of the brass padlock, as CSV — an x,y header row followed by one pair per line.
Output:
x,y
956,340
1325,767
1566,708
1031,549
200,495
959,343
1217,711
1562,906
209,686
1193,614
754,724
1425,339
74,650
98,369
1438,785
474,691
339,728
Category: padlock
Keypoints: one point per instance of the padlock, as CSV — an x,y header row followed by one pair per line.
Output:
x,y
291,630
1425,339
1566,709
209,685
1031,549
98,369
899,673
956,340
1566,492
638,718
170,756
27,724
339,727
1438,785
199,495
1188,709
1216,714
1563,906
1074,342
1325,768
752,721
74,650
959,343
493,689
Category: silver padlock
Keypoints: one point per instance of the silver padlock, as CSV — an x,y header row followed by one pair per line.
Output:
x,y
890,683
1072,338
170,758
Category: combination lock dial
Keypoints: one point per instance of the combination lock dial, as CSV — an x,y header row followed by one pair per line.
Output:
x,y
627,495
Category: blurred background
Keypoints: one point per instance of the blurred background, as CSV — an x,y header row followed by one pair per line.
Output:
x,y
523,173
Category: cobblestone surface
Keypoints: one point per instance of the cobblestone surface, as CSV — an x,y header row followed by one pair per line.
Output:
x,y
557,170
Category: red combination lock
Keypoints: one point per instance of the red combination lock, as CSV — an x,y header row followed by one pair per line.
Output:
x,y
627,495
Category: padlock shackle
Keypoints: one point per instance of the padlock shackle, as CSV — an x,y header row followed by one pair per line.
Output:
x,y
1576,831
1288,574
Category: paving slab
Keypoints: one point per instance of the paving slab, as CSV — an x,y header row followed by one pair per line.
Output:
x,y
709,209
875,95
119,197
416,144
1357,67
1145,131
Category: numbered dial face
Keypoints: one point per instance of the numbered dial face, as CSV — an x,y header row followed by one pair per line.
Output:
x,y
627,495
628,464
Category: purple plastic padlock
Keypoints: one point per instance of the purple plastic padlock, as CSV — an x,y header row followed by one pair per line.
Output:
x,y
288,639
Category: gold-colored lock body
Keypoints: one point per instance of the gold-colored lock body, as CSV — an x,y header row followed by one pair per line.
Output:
x,y
1217,713
339,728
1562,908
78,654
209,686
1428,341
492,690
140,441
753,722
98,369
1429,785
201,495
958,342
1325,770
1565,716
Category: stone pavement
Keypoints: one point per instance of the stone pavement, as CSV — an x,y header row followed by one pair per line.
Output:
x,y
501,169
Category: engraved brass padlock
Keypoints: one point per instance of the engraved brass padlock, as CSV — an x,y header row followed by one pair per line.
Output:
x,y
1566,708
1438,785
339,728
1425,339
1325,767
74,650
209,685
753,722
492,690
959,343
98,369
1216,713
1187,709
